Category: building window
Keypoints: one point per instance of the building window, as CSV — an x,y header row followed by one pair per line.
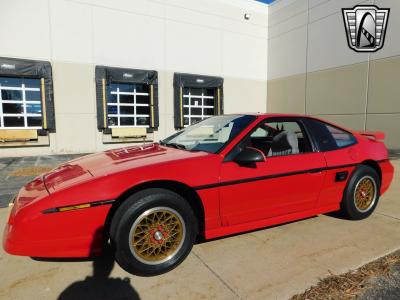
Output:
x,y
196,98
128,105
126,98
20,103
26,95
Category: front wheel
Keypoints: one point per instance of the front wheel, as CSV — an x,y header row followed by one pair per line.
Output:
x,y
152,232
361,194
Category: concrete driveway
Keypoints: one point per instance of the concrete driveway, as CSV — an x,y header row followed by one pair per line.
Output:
x,y
273,263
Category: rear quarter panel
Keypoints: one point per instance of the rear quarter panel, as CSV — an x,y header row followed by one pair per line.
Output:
x,y
371,149
349,157
342,160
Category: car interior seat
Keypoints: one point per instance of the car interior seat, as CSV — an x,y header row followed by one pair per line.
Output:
x,y
284,143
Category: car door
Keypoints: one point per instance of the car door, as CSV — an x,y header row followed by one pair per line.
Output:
x,y
288,181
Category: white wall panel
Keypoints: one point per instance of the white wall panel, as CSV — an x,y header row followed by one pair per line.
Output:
x,y
314,3
280,6
324,9
287,53
327,45
150,8
71,31
289,12
189,16
288,25
392,40
24,29
192,48
227,9
128,40
244,57
245,28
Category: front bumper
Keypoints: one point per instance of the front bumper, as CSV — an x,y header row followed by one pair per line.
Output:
x,y
30,232
14,244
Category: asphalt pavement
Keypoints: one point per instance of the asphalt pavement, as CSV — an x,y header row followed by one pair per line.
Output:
x,y
384,287
17,171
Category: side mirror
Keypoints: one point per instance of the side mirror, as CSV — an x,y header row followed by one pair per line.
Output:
x,y
249,156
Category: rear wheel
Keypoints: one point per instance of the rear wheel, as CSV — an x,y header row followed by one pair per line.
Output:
x,y
362,193
152,232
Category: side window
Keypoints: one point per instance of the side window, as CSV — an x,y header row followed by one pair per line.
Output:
x,y
329,137
341,137
260,133
277,138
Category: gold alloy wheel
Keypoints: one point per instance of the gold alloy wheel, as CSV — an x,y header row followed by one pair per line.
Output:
x,y
157,235
365,194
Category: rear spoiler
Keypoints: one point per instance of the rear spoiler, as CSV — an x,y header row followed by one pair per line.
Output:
x,y
373,135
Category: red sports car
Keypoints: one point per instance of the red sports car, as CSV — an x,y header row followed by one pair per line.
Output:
x,y
224,175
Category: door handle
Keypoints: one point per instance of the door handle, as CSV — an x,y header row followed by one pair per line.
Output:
x,y
315,171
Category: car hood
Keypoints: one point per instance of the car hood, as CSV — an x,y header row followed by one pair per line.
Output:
x,y
112,161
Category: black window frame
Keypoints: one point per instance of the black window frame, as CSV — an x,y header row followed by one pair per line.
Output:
x,y
311,125
34,69
232,153
184,80
105,75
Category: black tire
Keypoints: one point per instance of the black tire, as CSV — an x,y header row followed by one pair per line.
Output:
x,y
134,209
349,207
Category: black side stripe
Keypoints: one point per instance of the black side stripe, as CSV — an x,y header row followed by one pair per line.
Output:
x,y
206,186
246,180
77,206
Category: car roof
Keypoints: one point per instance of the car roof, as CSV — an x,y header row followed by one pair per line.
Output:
x,y
259,114
288,115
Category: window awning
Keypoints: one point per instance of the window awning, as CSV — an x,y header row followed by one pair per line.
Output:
x,y
13,67
106,75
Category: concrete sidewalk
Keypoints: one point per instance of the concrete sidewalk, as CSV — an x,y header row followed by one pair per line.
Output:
x,y
273,263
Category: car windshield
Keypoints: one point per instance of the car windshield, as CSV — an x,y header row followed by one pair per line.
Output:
x,y
209,135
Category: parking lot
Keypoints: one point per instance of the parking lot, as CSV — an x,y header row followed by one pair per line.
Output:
x,y
272,263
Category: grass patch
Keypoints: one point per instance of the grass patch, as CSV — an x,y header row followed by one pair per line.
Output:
x,y
352,283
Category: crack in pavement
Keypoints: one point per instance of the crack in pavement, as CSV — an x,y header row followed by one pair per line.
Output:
x,y
388,216
217,275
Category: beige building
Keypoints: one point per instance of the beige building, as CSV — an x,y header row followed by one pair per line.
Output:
x,y
312,70
83,76
85,42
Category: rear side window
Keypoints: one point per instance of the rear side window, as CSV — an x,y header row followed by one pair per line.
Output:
x,y
329,137
341,137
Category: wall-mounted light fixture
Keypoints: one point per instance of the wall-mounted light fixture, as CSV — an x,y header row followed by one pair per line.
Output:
x,y
127,75
7,67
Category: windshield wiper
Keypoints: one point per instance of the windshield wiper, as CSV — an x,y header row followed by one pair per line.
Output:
x,y
175,145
